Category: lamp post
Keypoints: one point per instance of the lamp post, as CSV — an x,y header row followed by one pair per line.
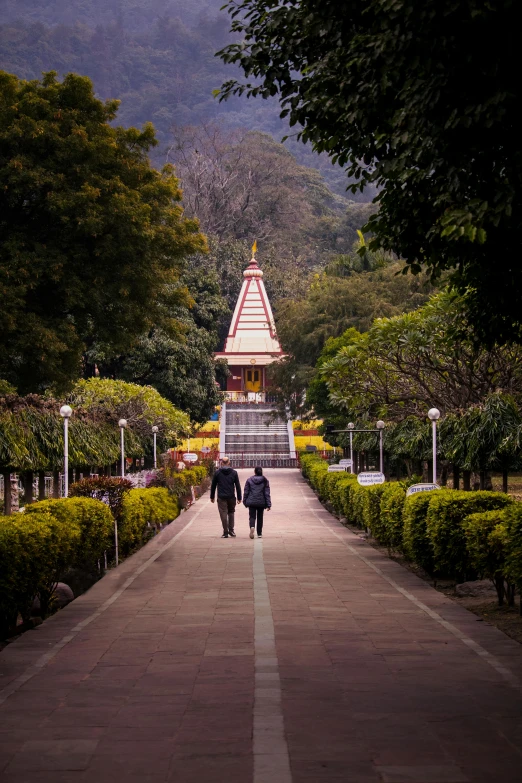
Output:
x,y
122,424
434,415
66,413
380,426
351,426
154,434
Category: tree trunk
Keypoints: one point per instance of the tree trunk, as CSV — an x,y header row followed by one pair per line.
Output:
x,y
7,492
444,475
482,479
466,480
109,471
505,481
56,483
456,477
27,479
41,485
499,587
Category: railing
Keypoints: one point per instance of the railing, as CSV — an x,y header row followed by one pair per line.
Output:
x,y
263,460
252,397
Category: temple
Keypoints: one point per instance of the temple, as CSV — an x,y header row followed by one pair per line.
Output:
x,y
252,342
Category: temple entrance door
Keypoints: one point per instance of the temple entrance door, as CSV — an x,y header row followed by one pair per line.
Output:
x,y
252,380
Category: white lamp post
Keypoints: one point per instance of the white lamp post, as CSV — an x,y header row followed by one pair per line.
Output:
x,y
351,427
122,424
66,413
434,415
380,426
154,434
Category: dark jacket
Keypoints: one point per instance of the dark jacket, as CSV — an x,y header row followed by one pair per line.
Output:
x,y
226,480
257,492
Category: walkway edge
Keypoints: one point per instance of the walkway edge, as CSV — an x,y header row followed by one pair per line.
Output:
x,y
36,667
504,672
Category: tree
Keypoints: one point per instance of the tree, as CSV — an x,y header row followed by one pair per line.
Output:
x,y
421,99
427,358
90,233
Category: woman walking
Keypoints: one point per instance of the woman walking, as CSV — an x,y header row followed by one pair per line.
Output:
x,y
256,497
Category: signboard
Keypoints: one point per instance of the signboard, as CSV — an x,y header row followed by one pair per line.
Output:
x,y
335,469
346,463
205,449
188,457
367,479
310,447
421,488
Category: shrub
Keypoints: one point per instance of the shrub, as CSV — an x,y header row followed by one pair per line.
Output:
x,y
107,489
143,508
446,512
180,482
94,520
513,524
346,498
358,501
391,514
372,509
35,552
338,488
486,543
415,541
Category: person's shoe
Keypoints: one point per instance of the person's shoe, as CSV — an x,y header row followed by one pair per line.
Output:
x,y
225,535
259,535
251,532
231,533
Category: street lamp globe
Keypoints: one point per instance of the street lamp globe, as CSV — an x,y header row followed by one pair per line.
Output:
x,y
380,425
66,411
155,429
122,423
433,414
351,426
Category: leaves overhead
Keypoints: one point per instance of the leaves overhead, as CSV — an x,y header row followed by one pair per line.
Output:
x,y
421,99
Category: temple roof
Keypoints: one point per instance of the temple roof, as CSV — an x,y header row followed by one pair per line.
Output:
x,y
252,332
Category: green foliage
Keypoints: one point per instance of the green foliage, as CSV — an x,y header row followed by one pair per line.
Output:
x,y
372,510
35,551
109,490
94,520
442,153
143,509
389,521
447,510
79,199
513,524
416,543
486,540
357,509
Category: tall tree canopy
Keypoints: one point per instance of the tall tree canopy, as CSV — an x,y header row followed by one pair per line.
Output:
x,y
90,233
421,99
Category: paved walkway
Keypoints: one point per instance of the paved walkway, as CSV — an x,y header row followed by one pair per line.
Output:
x,y
341,665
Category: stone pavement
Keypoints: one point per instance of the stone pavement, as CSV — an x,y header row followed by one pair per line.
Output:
x,y
304,656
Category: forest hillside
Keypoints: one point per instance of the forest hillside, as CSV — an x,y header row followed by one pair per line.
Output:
x,y
156,56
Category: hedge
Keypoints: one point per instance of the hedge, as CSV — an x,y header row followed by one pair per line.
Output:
x,y
35,552
93,518
415,540
487,544
388,523
144,509
447,510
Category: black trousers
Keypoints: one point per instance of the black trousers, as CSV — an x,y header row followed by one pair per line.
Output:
x,y
253,512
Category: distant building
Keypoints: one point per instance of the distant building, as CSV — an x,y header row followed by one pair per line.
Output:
x,y
252,342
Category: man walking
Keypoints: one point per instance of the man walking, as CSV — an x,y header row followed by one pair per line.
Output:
x,y
227,483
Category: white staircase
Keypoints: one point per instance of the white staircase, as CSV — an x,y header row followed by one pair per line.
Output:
x,y
250,435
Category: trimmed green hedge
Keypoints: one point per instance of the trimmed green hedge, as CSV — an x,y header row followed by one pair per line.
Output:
x,y
144,509
447,511
93,518
35,552
447,532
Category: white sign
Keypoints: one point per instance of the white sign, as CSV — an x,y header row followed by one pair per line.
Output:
x,y
335,469
205,449
421,488
346,463
188,457
367,479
